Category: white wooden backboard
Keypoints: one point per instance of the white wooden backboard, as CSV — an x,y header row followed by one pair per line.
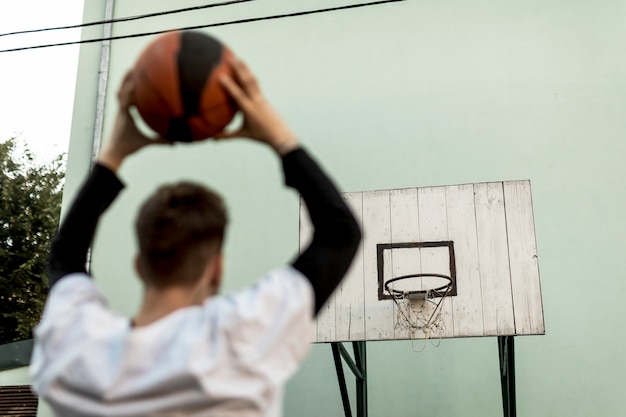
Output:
x,y
482,235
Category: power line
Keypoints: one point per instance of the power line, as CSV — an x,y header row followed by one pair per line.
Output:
x,y
232,22
126,19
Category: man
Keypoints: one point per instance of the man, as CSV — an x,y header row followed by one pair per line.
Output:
x,y
188,351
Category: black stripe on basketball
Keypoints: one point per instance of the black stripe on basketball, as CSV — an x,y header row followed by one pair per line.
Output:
x,y
198,55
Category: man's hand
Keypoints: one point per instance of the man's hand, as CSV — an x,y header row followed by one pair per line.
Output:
x,y
261,121
126,138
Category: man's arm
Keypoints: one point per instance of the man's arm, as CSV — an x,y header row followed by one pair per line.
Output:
x,y
71,243
337,234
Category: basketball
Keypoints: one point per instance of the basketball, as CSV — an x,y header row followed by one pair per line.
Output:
x,y
176,81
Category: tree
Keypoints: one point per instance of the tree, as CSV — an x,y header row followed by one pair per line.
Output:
x,y
30,204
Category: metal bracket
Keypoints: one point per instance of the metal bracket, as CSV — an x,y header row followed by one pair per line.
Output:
x,y
358,366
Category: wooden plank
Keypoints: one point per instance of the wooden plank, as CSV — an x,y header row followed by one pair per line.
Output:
x,y
404,229
493,258
305,236
467,310
528,308
326,321
349,306
377,229
433,226
324,330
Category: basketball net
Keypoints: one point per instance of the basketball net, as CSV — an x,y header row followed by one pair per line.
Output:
x,y
420,312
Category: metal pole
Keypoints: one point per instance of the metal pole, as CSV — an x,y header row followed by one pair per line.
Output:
x,y
506,350
103,79
361,383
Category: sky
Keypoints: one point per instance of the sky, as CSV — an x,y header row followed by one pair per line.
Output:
x,y
37,86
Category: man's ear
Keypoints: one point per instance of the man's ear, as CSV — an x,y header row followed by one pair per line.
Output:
x,y
217,272
139,269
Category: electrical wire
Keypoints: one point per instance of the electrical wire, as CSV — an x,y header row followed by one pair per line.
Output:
x,y
232,22
126,19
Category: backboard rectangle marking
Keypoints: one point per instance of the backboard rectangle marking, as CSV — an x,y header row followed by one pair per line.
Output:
x,y
450,270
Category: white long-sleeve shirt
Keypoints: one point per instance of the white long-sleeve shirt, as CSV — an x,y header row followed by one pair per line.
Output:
x,y
229,357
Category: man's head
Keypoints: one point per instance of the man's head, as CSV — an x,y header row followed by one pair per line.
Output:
x,y
180,228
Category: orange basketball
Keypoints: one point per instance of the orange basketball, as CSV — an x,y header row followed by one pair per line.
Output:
x,y
177,88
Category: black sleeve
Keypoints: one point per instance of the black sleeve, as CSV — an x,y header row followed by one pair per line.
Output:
x,y
70,245
337,234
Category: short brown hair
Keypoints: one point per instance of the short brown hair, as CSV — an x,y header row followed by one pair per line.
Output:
x,y
179,228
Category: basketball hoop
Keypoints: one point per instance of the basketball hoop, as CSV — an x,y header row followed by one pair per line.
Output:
x,y
419,308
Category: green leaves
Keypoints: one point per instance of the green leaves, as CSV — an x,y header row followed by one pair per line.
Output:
x,y
30,204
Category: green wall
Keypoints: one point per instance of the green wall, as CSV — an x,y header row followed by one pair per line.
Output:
x,y
410,94
17,376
